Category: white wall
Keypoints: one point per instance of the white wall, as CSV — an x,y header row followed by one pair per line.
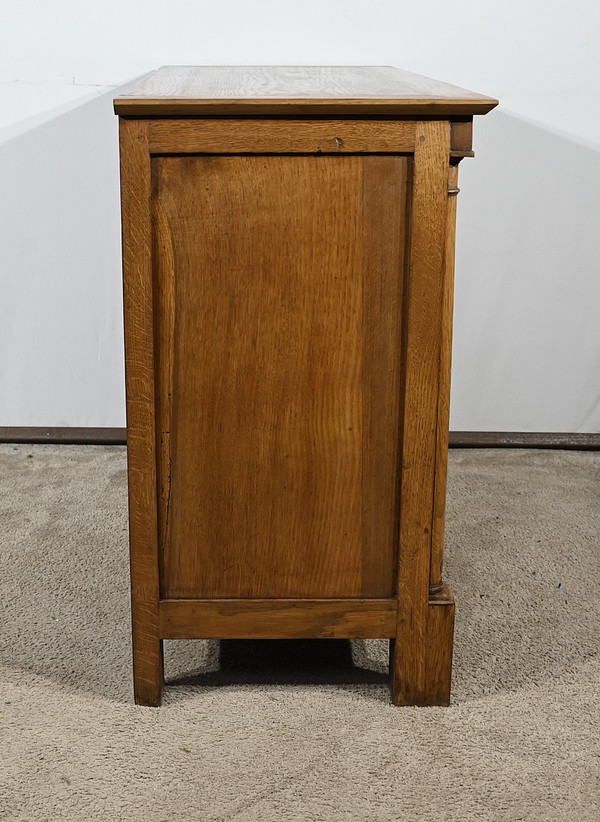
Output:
x,y
527,338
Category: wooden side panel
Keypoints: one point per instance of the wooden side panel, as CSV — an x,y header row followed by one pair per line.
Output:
x,y
278,362
137,279
423,332
277,618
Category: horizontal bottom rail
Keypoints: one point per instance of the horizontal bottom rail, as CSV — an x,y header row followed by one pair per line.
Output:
x,y
277,618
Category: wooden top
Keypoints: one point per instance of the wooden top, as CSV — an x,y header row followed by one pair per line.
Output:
x,y
298,90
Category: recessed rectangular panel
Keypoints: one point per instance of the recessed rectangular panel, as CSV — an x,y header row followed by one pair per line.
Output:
x,y
278,288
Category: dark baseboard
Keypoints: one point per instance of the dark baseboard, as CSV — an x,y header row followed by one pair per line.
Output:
x,y
458,439
65,436
516,439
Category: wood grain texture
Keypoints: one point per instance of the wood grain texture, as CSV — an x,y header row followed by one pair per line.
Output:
x,y
423,330
277,618
440,643
288,300
137,299
278,339
289,90
385,208
461,137
443,421
280,136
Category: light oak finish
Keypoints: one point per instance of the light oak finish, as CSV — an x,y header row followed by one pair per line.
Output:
x,y
141,459
295,90
439,647
288,301
461,138
421,371
279,373
281,136
277,618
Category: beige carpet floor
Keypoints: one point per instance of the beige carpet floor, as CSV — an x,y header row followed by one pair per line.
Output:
x,y
302,731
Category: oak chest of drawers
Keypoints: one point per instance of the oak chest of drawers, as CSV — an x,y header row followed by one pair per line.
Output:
x,y
288,241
